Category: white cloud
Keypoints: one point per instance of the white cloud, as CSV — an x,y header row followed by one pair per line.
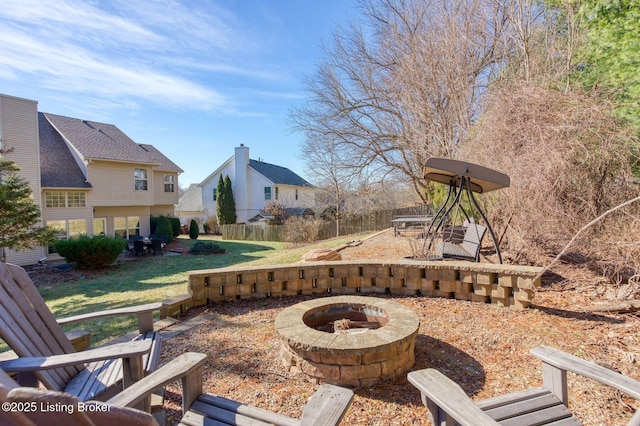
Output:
x,y
151,51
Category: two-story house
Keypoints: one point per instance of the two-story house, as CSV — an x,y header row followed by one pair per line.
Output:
x,y
87,177
254,183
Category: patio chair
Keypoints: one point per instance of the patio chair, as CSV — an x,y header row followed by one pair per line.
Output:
x,y
470,247
157,246
326,406
448,404
139,247
31,406
46,354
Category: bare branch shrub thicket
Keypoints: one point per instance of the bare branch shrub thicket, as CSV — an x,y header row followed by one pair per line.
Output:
x,y
302,230
569,162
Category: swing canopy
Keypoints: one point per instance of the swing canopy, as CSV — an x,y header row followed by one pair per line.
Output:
x,y
449,172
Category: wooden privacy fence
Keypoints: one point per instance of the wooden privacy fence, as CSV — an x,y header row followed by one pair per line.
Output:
x,y
244,232
374,221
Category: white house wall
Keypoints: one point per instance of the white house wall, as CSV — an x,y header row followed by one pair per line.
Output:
x,y
208,205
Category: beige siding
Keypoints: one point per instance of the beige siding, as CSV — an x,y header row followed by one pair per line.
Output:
x,y
113,185
166,210
161,197
19,130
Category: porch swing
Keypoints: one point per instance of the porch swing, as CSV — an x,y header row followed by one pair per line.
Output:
x,y
458,236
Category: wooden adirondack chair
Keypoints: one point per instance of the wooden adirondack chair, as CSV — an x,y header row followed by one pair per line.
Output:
x,y
449,405
34,407
326,407
29,328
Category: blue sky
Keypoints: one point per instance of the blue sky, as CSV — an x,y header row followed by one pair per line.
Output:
x,y
193,78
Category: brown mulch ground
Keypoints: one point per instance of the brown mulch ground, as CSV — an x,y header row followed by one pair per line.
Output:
x,y
484,348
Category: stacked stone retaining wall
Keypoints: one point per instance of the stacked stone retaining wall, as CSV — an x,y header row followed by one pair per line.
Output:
x,y
506,285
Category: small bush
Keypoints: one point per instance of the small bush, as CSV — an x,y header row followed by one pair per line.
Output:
x,y
205,248
302,230
205,227
91,252
194,232
164,228
212,223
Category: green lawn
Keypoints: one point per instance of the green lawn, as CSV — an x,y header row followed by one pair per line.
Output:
x,y
154,279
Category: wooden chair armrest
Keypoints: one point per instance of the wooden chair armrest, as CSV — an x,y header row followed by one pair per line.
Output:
x,y
119,350
441,393
144,312
327,406
563,361
187,367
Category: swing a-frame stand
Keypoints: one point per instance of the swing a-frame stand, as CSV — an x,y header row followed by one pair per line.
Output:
x,y
462,177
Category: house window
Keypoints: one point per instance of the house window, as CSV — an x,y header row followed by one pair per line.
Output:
x,y
140,179
215,194
169,183
296,194
76,199
99,226
126,227
276,192
267,193
54,199
63,199
66,229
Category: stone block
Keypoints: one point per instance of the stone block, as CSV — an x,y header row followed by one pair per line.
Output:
x,y
319,370
415,274
80,339
525,282
463,287
506,280
482,289
432,274
486,278
500,292
447,286
448,275
341,358
176,305
467,276
358,372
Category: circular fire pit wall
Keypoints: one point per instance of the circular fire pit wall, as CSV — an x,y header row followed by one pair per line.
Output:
x,y
348,340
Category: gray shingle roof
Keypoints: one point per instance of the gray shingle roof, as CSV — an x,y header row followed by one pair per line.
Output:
x,y
101,141
278,174
58,169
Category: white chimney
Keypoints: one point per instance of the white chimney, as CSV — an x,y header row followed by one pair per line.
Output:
x,y
239,185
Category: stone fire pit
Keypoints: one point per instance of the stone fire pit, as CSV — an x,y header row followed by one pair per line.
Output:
x,y
348,340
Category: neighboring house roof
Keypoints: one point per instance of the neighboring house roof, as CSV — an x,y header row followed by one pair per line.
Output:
x,y
101,141
278,174
289,212
58,168
191,200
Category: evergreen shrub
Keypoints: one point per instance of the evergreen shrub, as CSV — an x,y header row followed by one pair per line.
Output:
x,y
91,252
194,232
164,228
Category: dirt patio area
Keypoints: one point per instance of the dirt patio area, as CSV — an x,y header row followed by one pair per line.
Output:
x,y
484,348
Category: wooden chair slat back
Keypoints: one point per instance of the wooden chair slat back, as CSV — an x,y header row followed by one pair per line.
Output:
x,y
29,327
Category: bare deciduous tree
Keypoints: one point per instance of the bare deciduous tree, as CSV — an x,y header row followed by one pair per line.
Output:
x,y
403,84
